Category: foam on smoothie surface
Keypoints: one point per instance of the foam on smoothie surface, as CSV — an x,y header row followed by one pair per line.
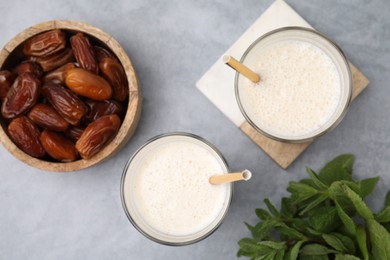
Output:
x,y
299,89
172,191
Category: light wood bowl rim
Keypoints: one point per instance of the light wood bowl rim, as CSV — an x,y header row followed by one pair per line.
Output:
x,y
133,112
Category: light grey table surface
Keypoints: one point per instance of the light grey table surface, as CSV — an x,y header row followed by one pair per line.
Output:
x,y
78,215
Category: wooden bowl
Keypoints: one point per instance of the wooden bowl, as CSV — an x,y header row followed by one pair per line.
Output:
x,y
11,53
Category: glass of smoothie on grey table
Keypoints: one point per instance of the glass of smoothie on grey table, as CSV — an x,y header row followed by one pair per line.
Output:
x,y
167,192
305,85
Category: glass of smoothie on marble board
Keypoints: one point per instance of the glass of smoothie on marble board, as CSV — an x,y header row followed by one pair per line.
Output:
x,y
305,87
166,193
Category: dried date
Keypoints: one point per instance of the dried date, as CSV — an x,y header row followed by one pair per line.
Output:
x,y
67,104
87,84
116,76
6,80
22,95
47,117
69,110
45,43
98,109
97,135
55,60
102,53
26,136
28,66
84,52
58,147
74,133
59,74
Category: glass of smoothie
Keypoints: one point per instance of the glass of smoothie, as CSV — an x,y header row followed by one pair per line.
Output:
x,y
166,193
305,87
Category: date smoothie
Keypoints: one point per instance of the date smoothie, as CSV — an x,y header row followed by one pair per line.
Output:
x,y
300,91
167,191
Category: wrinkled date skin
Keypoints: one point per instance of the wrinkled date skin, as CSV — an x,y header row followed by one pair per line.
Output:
x,y
6,80
47,117
102,53
74,133
97,135
59,74
58,146
67,104
29,66
87,84
98,109
45,43
114,73
84,53
54,60
26,136
22,95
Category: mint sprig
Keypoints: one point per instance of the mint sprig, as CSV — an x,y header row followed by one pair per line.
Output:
x,y
325,217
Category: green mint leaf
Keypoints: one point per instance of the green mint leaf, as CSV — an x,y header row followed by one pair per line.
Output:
x,y
354,186
361,239
243,253
340,168
308,182
316,181
316,249
262,214
295,250
346,257
280,254
386,226
240,253
288,231
314,202
274,245
343,230
359,204
384,215
264,250
316,221
299,224
367,186
335,242
297,187
300,192
269,256
347,242
249,226
324,219
335,190
336,193
313,257
287,209
287,254
262,229
313,232
271,207
347,221
387,201
380,240
249,245
343,161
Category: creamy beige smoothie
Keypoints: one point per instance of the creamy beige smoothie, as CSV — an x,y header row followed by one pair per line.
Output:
x,y
301,90
167,189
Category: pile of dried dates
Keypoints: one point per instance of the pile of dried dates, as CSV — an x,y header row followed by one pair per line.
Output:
x,y
66,99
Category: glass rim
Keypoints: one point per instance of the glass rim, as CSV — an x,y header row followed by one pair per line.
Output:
x,y
134,223
350,86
